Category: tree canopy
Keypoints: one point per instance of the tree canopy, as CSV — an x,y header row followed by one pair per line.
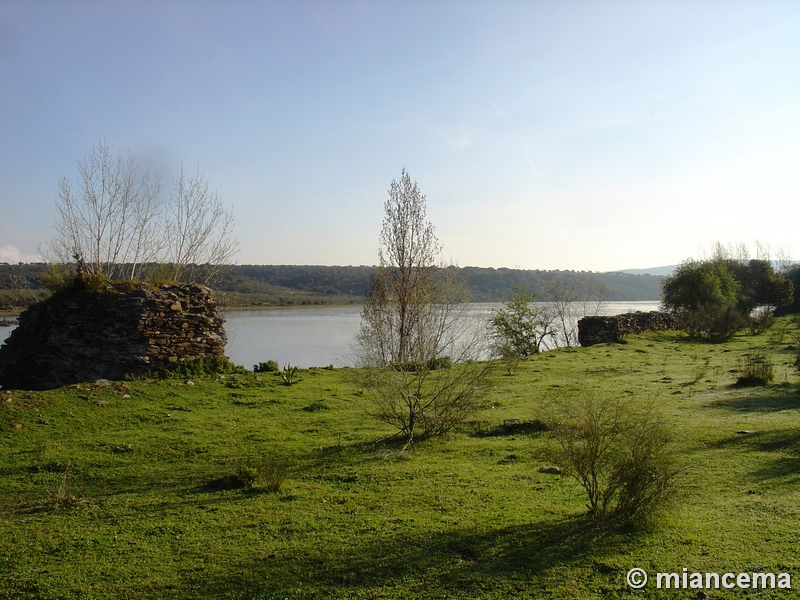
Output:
x,y
715,298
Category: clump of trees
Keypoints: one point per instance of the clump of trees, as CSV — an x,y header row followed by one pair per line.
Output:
x,y
524,327
716,298
419,353
119,224
792,273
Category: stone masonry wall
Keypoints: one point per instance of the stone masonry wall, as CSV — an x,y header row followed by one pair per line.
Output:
x,y
108,336
600,330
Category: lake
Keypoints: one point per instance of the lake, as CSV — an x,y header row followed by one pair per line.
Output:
x,y
321,336
309,337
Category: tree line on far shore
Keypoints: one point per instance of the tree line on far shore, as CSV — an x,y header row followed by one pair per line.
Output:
x,y
289,285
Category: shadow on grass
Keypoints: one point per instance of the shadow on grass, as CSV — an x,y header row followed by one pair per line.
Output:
x,y
773,399
784,444
465,564
511,427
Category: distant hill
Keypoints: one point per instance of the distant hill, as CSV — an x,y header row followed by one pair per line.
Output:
x,y
486,284
291,285
659,271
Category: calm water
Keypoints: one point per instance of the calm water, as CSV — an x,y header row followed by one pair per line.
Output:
x,y
309,337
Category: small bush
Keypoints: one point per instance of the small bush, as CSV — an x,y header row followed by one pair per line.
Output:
x,y
779,332
57,480
699,370
515,427
713,324
434,364
246,475
273,470
266,472
270,366
56,277
755,369
288,374
762,319
204,366
441,362
124,286
620,454
316,406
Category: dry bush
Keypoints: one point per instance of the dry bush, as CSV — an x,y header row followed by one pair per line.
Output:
x,y
620,453
755,369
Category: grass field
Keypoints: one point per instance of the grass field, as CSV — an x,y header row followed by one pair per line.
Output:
x,y
463,516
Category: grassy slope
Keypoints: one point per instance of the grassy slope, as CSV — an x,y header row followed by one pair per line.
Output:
x,y
467,516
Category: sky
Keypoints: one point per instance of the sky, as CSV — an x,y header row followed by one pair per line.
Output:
x,y
545,135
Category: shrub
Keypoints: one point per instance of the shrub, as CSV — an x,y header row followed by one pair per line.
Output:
x,y
57,480
434,364
755,369
620,454
761,319
316,405
56,277
440,362
246,476
266,472
516,329
203,366
704,295
699,370
288,374
273,470
712,323
270,366
796,345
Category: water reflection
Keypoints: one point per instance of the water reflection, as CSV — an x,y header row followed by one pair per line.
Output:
x,y
321,336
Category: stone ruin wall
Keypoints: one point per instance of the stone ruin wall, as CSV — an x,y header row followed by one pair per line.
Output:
x,y
109,336
601,330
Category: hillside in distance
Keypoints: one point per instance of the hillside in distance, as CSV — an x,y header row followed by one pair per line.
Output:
x,y
486,284
665,271
294,285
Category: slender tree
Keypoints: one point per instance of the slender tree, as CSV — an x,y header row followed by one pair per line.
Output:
x,y
417,350
407,263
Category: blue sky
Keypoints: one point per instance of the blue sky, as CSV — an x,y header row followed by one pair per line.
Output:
x,y
545,135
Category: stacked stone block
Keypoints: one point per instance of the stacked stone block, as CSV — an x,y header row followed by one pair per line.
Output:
x,y
111,335
602,330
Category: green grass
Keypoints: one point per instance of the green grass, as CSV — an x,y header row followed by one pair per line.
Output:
x,y
464,516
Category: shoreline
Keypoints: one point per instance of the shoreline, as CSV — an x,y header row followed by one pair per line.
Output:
x,y
280,306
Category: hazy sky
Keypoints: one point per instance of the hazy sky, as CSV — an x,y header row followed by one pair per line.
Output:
x,y
570,135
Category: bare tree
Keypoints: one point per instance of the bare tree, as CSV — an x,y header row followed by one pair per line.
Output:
x,y
417,350
111,222
117,222
571,299
199,231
